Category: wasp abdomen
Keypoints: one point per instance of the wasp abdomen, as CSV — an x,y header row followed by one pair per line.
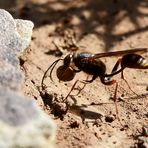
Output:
x,y
134,61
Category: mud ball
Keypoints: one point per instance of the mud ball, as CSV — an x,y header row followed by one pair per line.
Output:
x,y
65,74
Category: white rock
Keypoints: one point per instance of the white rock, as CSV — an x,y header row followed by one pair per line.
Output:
x,y
10,76
24,28
22,123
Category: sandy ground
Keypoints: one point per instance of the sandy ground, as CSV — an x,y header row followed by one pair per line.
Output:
x,y
97,26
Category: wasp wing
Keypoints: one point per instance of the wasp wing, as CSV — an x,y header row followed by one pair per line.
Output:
x,y
119,53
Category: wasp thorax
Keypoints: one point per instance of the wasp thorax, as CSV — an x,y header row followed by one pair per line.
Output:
x,y
65,74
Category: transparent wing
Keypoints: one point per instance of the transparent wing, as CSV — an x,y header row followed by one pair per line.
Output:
x,y
119,53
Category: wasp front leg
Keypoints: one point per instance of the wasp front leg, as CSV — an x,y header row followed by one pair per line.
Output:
x,y
72,88
81,81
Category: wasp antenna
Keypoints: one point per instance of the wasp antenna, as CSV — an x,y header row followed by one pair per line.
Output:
x,y
53,64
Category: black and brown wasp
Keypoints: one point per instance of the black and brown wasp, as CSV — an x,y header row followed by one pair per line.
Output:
x,y
92,65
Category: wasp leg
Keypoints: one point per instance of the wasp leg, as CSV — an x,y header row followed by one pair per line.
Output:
x,y
116,106
114,72
81,88
116,66
84,82
122,77
72,88
111,82
91,80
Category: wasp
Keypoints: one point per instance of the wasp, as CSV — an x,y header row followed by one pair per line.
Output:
x,y
92,65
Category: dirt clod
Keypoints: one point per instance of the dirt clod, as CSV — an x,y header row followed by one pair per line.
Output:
x,y
109,118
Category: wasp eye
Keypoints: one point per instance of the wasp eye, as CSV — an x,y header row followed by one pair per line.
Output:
x,y
68,59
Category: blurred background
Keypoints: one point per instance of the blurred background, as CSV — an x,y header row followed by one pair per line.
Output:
x,y
112,20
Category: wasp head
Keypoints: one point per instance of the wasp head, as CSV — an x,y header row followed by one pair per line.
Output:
x,y
66,72
67,60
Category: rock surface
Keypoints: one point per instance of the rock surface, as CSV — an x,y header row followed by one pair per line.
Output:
x,y
24,28
22,123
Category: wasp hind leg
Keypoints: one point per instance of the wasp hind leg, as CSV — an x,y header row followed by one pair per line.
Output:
x,y
115,71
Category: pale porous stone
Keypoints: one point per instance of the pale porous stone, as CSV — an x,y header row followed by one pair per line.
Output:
x,y
24,28
15,109
10,42
15,36
10,76
22,123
